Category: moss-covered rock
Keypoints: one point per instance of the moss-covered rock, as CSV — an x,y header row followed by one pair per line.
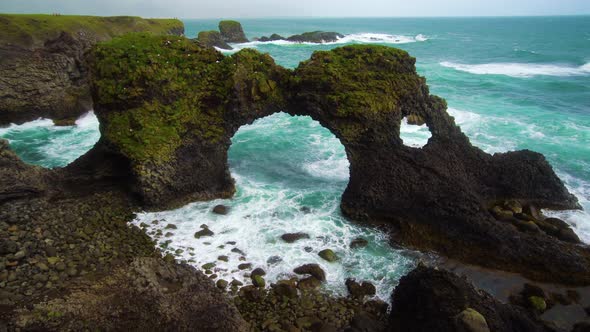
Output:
x,y
159,98
232,32
212,39
537,303
328,255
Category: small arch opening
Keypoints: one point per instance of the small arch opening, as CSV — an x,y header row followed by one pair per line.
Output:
x,y
414,132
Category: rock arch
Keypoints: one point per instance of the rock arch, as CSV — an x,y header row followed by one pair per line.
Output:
x,y
168,109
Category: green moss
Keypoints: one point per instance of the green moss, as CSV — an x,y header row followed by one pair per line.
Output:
x,y
157,89
537,303
360,82
154,92
33,29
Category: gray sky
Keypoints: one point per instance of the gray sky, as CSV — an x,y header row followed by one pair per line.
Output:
x,y
284,8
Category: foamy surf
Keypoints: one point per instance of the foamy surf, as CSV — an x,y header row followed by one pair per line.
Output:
x,y
356,38
520,70
290,173
43,143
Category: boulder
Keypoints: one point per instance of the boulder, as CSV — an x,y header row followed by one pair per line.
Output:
x,y
469,320
360,290
232,32
328,255
292,237
204,233
258,281
358,243
220,209
312,269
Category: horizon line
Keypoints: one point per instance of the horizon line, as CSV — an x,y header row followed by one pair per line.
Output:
x,y
310,17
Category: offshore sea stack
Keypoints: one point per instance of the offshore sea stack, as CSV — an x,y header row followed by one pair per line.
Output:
x,y
169,119
43,69
232,32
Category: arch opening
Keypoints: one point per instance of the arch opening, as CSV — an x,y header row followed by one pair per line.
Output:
x,y
43,143
414,131
290,173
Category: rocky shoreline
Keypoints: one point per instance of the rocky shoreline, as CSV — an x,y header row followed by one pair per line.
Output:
x,y
69,260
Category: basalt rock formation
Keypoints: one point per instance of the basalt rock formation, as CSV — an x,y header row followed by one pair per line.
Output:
x,y
169,108
232,32
43,71
431,300
212,39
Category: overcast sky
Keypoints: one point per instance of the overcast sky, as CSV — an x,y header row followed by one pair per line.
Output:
x,y
283,8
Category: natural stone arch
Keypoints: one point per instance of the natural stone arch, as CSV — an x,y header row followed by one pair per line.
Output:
x,y
168,109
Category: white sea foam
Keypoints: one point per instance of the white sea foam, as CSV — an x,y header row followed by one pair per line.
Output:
x,y
414,136
521,70
54,145
361,38
259,215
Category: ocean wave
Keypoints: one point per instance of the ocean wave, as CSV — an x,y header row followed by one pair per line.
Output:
x,y
522,70
361,38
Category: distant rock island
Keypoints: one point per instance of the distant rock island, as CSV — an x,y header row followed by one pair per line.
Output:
x,y
232,32
316,37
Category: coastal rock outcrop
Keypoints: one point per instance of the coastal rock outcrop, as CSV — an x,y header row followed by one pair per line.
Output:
x,y
317,37
431,300
212,39
169,108
232,32
43,71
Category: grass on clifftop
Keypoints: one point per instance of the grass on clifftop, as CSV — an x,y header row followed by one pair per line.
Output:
x,y
29,30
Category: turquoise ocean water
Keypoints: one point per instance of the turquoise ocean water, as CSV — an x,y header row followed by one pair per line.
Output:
x,y
511,83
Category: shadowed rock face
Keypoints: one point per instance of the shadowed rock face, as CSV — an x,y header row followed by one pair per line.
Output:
x,y
43,71
432,300
169,108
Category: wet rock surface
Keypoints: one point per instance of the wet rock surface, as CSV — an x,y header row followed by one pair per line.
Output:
x,y
316,37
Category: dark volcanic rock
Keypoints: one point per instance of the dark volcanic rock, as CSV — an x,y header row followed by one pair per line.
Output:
x,y
43,67
360,290
221,209
273,37
292,237
148,294
17,179
434,198
232,32
312,269
316,37
212,39
432,300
